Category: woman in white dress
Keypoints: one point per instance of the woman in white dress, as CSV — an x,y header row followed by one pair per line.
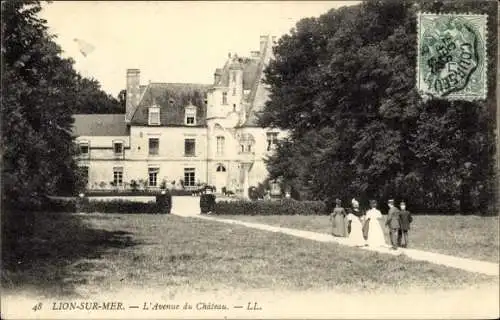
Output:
x,y
355,237
375,232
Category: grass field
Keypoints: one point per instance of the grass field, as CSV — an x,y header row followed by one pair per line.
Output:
x,y
86,255
464,236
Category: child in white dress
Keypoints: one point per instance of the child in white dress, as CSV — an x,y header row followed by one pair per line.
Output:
x,y
375,232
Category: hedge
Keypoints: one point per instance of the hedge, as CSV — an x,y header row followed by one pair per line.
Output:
x,y
114,193
266,208
114,206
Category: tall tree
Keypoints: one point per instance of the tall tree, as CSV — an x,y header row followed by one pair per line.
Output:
x,y
39,92
92,99
343,85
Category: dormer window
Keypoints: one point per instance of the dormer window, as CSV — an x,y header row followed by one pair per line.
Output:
x,y
154,116
190,115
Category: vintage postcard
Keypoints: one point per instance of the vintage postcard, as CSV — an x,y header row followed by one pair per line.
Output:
x,y
250,160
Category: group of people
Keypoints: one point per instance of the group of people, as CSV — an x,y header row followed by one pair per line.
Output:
x,y
366,228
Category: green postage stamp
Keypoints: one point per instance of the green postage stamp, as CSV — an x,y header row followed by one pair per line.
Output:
x,y
452,56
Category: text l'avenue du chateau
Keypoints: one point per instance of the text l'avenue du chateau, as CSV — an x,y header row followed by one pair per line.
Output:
x,y
117,306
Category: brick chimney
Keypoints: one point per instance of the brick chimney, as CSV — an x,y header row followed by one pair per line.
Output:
x,y
133,93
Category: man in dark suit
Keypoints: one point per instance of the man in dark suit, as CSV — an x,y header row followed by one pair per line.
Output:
x,y
405,219
393,223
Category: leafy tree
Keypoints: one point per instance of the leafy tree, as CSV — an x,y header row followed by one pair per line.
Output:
x,y
343,85
92,99
39,90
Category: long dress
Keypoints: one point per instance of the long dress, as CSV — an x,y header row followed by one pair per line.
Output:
x,y
376,233
355,238
339,226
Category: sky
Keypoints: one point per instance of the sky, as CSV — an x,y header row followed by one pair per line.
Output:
x,y
168,41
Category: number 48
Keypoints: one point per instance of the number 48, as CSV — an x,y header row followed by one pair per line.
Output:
x,y
37,306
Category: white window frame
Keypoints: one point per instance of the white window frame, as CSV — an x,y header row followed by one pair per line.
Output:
x,y
221,141
153,172
194,147
118,176
118,142
188,181
190,123
190,112
149,147
154,116
84,144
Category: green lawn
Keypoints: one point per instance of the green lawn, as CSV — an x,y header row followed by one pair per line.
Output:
x,y
464,236
87,255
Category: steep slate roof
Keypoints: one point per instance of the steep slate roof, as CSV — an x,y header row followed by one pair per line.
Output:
x,y
172,99
250,71
100,125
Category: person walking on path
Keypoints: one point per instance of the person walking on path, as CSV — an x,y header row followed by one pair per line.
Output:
x,y
393,223
405,219
375,232
338,220
355,237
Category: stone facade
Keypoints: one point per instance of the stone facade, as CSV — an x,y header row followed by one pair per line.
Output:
x,y
189,133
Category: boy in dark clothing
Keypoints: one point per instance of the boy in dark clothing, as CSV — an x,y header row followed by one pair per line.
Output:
x,y
405,219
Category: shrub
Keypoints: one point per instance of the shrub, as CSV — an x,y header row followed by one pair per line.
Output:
x,y
59,205
124,193
163,205
265,208
120,206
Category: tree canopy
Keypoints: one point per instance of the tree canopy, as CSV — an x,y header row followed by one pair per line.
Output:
x,y
343,85
40,92
92,99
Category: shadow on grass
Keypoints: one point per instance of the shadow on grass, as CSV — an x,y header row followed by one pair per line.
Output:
x,y
46,253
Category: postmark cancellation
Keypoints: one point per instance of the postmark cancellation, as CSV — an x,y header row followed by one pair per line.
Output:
x,y
452,59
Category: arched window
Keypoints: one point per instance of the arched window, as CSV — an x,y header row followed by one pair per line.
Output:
x,y
221,168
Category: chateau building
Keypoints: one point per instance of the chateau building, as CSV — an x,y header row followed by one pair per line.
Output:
x,y
182,134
